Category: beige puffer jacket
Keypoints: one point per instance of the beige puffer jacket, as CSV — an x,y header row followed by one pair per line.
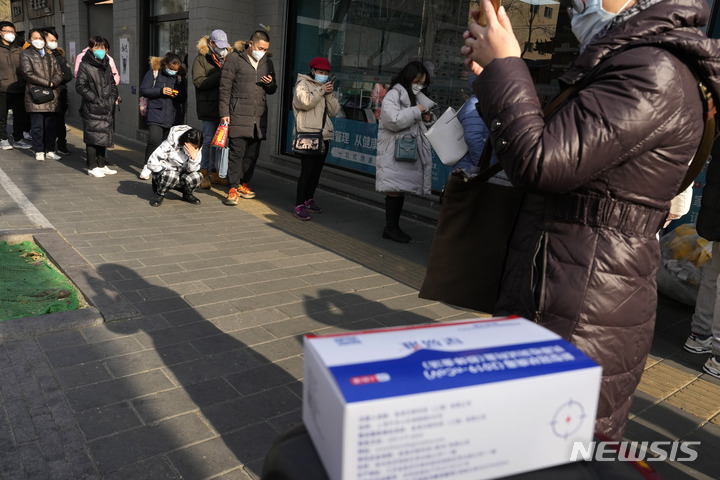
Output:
x,y
309,105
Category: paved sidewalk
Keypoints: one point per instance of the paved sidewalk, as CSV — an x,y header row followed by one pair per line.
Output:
x,y
205,370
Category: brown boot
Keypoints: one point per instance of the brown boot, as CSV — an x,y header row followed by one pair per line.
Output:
x,y
217,179
206,180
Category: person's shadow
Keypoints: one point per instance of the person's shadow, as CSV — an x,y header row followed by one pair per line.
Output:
x,y
197,398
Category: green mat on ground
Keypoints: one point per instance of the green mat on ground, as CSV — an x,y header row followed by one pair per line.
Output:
x,y
29,285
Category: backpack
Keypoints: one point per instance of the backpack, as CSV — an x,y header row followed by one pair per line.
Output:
x,y
143,101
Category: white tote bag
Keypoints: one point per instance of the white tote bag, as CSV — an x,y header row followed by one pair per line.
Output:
x,y
448,138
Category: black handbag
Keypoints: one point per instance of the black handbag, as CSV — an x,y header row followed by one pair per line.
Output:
x,y
40,95
476,220
310,143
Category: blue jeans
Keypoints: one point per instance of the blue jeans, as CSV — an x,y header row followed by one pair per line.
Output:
x,y
706,320
208,131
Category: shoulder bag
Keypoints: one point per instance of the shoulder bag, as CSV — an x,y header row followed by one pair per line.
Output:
x,y
40,95
310,143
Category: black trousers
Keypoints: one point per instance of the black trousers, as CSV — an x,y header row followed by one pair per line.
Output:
x,y
242,158
95,156
16,103
60,130
42,128
310,170
156,135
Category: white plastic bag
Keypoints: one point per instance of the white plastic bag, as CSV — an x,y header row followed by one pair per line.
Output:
x,y
684,253
447,138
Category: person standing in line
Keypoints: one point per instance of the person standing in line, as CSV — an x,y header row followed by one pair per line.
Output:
x,y
598,173
247,77
12,88
704,335
313,101
51,41
165,87
206,73
402,115
39,68
95,84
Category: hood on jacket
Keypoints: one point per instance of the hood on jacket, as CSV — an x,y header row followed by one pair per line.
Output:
x,y
90,58
156,63
175,133
308,78
203,47
677,30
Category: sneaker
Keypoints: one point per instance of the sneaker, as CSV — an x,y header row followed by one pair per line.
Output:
x,y
190,198
696,344
108,171
712,366
156,200
232,198
52,156
301,212
312,207
22,144
27,136
62,151
5,145
96,172
40,156
245,192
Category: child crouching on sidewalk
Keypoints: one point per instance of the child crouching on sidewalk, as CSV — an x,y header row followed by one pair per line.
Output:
x,y
176,164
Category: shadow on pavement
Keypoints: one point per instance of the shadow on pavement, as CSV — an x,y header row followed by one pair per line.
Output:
x,y
188,398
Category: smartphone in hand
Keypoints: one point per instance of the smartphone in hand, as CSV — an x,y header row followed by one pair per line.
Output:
x,y
332,80
481,14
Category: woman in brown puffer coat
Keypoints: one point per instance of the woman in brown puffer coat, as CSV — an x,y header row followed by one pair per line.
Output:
x,y
40,69
599,173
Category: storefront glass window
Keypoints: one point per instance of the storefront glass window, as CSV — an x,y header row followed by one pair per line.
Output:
x,y
164,7
369,41
173,37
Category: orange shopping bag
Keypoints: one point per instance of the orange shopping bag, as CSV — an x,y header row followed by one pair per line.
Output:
x,y
220,138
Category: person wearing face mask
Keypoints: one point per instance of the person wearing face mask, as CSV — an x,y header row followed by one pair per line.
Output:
x,y
39,68
51,42
247,77
206,73
12,87
403,114
313,105
175,164
598,173
95,84
165,87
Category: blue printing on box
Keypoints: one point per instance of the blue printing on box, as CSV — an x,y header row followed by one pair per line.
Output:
x,y
431,370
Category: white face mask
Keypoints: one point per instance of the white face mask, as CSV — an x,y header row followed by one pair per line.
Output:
x,y
9,37
222,52
39,44
592,21
417,88
258,54
52,45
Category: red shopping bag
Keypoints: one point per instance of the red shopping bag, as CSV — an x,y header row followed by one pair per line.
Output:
x,y
220,138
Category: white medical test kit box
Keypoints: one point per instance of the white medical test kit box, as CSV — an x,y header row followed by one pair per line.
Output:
x,y
465,400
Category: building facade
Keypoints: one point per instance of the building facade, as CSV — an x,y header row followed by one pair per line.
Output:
x,y
366,41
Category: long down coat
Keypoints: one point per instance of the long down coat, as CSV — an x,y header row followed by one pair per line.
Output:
x,y
397,119
599,175
96,85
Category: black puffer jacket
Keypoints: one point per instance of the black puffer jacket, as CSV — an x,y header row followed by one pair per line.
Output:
x,y
242,93
41,71
67,72
600,173
96,85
